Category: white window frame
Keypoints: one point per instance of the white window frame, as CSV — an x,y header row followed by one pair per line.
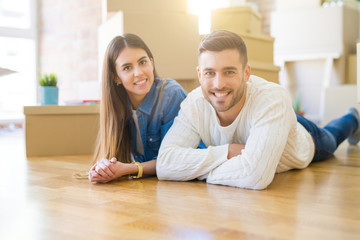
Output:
x,y
26,33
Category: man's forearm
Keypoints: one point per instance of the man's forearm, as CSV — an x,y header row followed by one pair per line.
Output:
x,y
182,164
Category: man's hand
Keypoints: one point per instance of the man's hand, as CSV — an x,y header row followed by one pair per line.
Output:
x,y
235,150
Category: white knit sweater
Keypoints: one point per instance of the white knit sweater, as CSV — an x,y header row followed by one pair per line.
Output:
x,y
274,140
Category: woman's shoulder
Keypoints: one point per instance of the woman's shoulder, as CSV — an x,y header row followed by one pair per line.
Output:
x,y
171,86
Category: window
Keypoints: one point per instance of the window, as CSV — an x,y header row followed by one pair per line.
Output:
x,y
15,14
18,36
203,8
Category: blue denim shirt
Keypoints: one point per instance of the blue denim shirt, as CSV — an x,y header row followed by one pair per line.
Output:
x,y
156,118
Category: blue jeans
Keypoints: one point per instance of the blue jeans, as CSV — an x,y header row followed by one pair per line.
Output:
x,y
327,139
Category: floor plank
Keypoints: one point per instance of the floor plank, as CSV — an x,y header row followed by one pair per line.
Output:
x,y
40,199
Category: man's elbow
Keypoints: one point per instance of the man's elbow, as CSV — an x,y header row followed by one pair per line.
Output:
x,y
254,182
259,182
260,186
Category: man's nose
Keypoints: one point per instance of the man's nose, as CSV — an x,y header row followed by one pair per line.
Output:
x,y
218,81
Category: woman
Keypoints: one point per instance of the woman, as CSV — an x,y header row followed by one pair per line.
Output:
x,y
137,109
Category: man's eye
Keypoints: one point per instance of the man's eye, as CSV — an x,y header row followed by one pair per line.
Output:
x,y
229,72
209,74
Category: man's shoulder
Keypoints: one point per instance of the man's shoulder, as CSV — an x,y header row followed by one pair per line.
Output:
x,y
263,94
194,101
195,107
196,93
262,85
195,96
256,80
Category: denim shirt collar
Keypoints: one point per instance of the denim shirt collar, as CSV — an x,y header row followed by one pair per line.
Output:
x,y
147,104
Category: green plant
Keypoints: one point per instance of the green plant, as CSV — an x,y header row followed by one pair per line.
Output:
x,y
48,80
297,103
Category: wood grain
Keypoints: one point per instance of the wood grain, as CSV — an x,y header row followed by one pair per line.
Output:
x,y
40,199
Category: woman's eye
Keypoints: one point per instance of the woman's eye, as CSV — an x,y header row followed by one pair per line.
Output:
x,y
127,68
143,62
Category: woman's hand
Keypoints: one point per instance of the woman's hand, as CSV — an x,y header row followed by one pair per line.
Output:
x,y
106,170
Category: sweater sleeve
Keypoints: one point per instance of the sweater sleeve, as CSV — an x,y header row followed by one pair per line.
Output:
x,y
272,118
269,118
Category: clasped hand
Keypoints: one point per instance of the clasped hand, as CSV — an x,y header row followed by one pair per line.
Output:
x,y
106,170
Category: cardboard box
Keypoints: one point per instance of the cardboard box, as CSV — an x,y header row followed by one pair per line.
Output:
x,y
260,48
61,130
351,69
242,19
173,39
266,71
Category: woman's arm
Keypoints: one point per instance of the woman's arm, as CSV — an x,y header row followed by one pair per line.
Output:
x,y
104,171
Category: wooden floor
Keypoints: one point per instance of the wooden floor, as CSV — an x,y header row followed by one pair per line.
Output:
x,y
40,199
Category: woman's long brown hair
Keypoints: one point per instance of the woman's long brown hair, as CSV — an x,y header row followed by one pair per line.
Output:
x,y
114,138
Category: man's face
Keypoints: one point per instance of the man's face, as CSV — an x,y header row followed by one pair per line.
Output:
x,y
223,79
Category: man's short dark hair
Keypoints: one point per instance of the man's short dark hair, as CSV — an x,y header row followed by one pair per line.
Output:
x,y
220,40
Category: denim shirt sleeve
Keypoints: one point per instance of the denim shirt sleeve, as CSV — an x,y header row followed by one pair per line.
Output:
x,y
172,98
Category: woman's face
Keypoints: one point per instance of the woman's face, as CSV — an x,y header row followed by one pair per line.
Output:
x,y
135,71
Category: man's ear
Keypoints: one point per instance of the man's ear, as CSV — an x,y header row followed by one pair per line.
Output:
x,y
247,72
198,73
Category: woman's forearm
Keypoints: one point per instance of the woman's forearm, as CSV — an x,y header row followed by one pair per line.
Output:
x,y
149,168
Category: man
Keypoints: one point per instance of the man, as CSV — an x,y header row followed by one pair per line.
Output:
x,y
247,124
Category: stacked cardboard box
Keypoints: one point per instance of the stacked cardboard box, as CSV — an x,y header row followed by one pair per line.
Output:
x,y
246,22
